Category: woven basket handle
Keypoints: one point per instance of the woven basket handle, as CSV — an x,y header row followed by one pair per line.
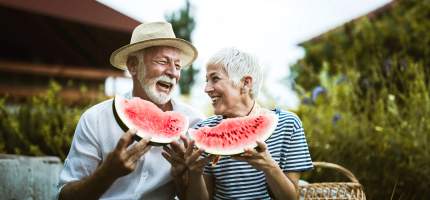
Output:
x,y
339,168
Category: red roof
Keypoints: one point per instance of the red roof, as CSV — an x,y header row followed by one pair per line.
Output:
x,y
84,11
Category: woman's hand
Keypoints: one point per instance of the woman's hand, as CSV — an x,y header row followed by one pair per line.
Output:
x,y
258,158
184,156
194,160
175,156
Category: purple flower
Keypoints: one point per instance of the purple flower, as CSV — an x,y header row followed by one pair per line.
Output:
x,y
317,91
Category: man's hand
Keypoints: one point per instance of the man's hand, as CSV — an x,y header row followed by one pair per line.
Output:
x,y
123,159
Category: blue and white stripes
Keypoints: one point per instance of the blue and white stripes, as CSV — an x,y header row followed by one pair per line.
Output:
x,y
239,180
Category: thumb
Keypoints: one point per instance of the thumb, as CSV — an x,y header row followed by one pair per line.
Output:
x,y
261,146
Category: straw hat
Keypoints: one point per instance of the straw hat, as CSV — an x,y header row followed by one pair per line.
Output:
x,y
153,34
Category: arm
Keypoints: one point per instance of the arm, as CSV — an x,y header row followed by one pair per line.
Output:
x,y
283,186
199,187
209,181
91,187
174,154
187,169
120,162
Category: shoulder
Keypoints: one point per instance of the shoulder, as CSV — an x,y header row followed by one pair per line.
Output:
x,y
288,117
98,110
210,121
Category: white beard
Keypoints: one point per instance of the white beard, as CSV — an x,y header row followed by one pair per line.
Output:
x,y
149,86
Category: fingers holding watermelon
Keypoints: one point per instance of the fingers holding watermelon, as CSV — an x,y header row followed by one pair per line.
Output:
x,y
185,141
183,156
123,159
180,148
176,159
174,154
138,150
261,146
195,161
259,157
125,140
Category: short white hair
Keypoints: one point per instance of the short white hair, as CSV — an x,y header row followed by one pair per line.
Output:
x,y
239,64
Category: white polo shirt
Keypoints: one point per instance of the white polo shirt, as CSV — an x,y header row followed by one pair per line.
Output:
x,y
97,134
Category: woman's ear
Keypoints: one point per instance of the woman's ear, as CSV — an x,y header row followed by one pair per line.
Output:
x,y
247,84
132,64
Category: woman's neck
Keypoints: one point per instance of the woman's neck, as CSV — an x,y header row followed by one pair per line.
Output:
x,y
242,109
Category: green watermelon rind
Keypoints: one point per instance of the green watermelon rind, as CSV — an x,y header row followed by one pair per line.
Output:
x,y
125,125
238,150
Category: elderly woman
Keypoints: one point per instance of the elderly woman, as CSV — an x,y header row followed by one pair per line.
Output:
x,y
273,169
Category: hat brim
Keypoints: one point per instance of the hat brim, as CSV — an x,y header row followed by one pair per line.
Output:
x,y
188,52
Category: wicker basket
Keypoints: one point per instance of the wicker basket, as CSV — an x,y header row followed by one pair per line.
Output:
x,y
333,190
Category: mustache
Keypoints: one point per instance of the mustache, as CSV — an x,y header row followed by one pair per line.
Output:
x,y
167,79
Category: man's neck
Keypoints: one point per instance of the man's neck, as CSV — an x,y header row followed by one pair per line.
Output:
x,y
166,107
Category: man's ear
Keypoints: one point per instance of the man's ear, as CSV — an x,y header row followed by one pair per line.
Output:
x,y
132,64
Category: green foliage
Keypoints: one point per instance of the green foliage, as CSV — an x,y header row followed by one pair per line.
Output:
x,y
373,116
183,25
401,31
44,125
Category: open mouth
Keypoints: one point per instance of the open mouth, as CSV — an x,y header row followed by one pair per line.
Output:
x,y
215,99
164,86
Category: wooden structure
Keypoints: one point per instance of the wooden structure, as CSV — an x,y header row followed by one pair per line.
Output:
x,y
66,41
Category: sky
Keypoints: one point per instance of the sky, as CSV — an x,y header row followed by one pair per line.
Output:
x,y
269,29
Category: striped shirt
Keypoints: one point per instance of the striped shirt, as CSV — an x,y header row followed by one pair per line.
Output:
x,y
239,180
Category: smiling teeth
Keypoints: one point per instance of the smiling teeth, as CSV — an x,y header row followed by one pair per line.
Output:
x,y
214,99
165,83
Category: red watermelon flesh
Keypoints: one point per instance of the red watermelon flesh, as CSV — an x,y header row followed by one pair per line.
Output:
x,y
149,120
232,135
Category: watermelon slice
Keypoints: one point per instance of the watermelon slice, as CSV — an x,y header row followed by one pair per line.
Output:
x,y
149,120
232,135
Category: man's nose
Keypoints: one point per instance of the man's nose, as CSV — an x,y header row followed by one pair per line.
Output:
x,y
171,71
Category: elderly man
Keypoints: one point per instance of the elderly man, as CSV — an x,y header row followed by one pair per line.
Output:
x,y
106,163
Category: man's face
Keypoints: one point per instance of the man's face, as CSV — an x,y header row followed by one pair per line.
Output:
x,y
159,73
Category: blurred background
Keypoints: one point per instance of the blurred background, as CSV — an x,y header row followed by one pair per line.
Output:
x,y
355,71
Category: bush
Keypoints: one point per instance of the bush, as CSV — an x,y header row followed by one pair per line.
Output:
x,y
43,125
384,142
366,93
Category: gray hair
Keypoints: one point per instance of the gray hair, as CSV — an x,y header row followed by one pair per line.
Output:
x,y
238,64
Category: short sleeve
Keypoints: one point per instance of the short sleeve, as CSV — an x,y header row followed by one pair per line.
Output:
x,y
295,151
84,155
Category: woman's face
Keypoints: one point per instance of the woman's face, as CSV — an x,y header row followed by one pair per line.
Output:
x,y
224,94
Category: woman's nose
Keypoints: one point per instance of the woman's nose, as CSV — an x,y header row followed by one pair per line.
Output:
x,y
208,88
